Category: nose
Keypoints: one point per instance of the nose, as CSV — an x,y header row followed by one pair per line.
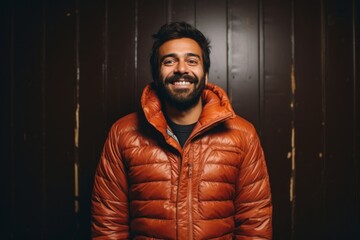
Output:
x,y
181,67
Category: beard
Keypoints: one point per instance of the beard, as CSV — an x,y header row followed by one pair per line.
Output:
x,y
181,99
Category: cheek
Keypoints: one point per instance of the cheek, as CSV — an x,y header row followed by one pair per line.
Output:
x,y
199,73
198,70
163,73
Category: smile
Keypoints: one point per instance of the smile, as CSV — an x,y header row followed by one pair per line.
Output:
x,y
182,83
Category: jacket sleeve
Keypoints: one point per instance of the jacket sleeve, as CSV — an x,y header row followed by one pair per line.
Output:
x,y
253,217
110,210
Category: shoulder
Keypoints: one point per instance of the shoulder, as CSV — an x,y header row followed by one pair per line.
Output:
x,y
241,126
125,125
242,133
237,133
131,131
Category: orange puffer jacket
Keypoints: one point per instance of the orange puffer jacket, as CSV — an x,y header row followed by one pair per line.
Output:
x,y
215,187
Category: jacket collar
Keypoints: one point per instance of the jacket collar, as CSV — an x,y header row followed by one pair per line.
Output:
x,y
216,109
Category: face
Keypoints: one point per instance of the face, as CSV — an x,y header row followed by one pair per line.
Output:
x,y
182,78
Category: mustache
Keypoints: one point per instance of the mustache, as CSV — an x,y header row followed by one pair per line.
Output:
x,y
186,77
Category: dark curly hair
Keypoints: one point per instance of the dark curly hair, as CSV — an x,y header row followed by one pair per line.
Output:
x,y
178,30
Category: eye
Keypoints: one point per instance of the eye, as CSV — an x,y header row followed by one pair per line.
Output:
x,y
193,61
168,62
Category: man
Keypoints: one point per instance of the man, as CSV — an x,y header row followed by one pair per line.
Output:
x,y
185,167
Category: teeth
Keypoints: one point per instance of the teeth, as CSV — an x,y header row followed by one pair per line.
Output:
x,y
182,83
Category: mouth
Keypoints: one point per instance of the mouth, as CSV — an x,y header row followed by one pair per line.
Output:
x,y
181,83
184,80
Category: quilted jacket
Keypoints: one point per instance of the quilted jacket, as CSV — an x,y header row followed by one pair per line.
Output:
x,y
215,187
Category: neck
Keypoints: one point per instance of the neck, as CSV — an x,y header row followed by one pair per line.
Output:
x,y
184,117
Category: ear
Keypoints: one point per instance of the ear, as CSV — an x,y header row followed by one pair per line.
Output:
x,y
206,78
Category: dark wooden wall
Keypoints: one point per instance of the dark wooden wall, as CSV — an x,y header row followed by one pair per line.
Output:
x,y
70,68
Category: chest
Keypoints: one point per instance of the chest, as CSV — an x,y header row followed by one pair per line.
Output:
x,y
207,166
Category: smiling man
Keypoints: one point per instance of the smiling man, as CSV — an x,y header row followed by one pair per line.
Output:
x,y
185,166
182,78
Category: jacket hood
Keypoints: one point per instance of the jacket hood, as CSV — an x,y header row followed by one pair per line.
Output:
x,y
216,108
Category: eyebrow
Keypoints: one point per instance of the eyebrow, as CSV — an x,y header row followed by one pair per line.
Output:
x,y
175,55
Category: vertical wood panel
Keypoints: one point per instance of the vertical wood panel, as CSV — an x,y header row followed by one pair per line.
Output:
x,y
93,82
147,24
6,66
340,175
211,20
356,73
25,121
276,135
308,120
60,73
244,78
182,11
121,59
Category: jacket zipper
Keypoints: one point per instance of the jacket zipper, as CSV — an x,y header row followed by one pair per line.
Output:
x,y
190,201
189,197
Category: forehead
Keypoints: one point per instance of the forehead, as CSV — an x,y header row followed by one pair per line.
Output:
x,y
179,47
